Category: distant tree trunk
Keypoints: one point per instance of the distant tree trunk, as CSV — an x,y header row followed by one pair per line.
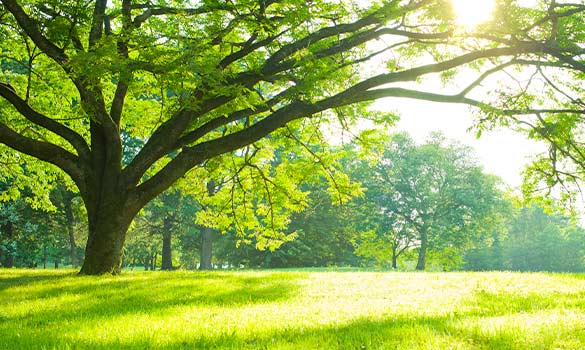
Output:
x,y
422,254
147,262
9,261
394,259
167,251
68,208
8,229
44,257
56,264
153,262
206,249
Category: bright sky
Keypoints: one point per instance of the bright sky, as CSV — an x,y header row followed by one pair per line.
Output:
x,y
501,152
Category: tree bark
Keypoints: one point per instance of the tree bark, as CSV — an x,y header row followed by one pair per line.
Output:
x,y
206,249
422,254
108,223
167,251
153,262
8,229
9,261
394,260
44,258
68,209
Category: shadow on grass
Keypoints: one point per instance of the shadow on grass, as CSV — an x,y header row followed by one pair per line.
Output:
x,y
10,278
96,298
404,332
462,330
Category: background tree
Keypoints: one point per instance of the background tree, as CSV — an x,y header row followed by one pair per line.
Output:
x,y
167,217
431,196
543,242
68,207
325,232
534,241
30,237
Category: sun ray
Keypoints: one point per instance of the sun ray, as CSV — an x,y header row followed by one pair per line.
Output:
x,y
472,12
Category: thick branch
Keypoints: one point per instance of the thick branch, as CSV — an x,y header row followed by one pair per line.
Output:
x,y
97,25
44,151
160,11
570,61
125,76
458,98
413,73
194,155
225,120
31,28
76,140
162,141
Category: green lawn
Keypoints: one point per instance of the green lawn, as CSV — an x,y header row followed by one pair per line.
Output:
x,y
291,310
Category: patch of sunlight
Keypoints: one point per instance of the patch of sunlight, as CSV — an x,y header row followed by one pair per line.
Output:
x,y
550,329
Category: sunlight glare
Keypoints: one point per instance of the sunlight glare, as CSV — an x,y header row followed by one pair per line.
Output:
x,y
472,12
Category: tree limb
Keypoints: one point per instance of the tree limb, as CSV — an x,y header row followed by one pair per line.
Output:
x,y
76,140
44,151
30,27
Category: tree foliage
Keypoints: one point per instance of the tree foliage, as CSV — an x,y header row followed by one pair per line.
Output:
x,y
534,241
430,196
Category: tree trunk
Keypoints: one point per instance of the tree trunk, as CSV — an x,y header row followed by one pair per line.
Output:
x,y
8,229
167,251
206,249
9,261
44,258
56,264
108,224
68,208
153,262
394,260
422,254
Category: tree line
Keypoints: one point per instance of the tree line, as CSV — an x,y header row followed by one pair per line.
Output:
x,y
416,206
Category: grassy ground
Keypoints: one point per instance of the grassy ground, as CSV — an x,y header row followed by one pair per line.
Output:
x,y
291,310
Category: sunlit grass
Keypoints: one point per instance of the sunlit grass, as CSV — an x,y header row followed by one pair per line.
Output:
x,y
291,310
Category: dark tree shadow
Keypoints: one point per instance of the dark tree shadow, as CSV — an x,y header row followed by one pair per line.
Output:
x,y
112,297
10,279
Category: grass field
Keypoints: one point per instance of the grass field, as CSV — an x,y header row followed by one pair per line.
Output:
x,y
291,310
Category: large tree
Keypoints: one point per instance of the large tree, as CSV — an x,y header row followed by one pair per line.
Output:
x,y
430,196
199,79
